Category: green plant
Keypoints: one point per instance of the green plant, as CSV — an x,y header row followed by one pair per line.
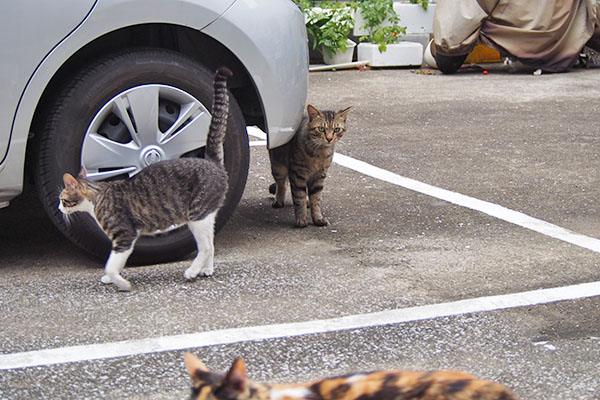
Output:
x,y
375,12
329,24
304,5
423,3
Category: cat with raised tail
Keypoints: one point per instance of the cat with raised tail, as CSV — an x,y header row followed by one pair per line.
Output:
x,y
305,160
160,197
379,385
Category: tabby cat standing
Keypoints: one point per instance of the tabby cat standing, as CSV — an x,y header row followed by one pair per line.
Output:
x,y
304,161
160,197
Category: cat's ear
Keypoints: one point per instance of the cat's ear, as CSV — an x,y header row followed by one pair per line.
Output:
x,y
194,366
70,181
82,173
344,113
236,377
312,112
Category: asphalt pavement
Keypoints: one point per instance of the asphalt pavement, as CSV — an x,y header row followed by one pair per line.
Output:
x,y
464,226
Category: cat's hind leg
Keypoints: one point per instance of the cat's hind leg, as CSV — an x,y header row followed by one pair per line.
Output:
x,y
279,170
204,233
278,189
114,265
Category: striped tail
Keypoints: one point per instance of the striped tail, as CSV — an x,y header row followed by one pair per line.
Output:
x,y
220,112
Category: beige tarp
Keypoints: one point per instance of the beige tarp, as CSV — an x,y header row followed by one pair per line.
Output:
x,y
548,34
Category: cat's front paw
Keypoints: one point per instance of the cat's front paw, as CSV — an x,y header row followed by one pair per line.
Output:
x,y
323,221
106,279
301,223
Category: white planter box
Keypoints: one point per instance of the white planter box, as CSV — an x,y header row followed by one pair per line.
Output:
x,y
412,16
340,57
401,54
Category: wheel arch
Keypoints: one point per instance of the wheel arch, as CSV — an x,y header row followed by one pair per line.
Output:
x,y
188,41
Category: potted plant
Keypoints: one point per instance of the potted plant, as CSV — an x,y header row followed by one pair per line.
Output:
x,y
328,26
423,3
381,44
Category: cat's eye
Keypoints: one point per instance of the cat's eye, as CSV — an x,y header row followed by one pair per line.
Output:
x,y
321,129
337,130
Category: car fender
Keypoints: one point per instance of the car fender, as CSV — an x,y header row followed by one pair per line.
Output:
x,y
284,97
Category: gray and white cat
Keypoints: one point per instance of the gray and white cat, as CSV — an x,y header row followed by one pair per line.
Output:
x,y
163,195
305,160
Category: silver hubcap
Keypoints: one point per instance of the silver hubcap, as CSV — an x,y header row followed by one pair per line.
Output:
x,y
141,126
152,155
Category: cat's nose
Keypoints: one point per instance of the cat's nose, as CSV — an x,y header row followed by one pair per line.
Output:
x,y
329,139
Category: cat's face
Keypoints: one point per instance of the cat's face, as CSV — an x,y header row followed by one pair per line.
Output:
x,y
209,385
326,127
74,197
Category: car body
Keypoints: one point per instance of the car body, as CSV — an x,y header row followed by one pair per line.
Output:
x,y
47,44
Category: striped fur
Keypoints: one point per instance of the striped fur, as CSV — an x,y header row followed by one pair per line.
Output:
x,y
220,112
161,196
305,160
380,385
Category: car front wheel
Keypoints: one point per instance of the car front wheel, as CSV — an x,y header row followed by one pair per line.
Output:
x,y
122,113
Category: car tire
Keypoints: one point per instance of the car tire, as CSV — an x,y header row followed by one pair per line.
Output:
x,y
76,114
449,64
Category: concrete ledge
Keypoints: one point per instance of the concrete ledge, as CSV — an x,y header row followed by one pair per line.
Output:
x,y
396,55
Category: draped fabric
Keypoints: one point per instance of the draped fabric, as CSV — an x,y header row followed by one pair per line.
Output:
x,y
548,34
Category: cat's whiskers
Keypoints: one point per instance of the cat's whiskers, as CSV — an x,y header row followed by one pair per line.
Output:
x,y
67,219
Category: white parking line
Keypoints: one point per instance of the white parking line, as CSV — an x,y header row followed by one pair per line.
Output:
x,y
494,210
485,207
278,331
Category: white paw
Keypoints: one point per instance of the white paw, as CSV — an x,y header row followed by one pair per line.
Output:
x,y
207,270
119,281
191,273
123,285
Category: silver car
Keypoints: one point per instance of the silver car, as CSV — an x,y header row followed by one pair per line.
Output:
x,y
115,85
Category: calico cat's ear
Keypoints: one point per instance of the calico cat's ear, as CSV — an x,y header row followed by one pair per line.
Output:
x,y
70,181
194,365
236,377
312,112
343,113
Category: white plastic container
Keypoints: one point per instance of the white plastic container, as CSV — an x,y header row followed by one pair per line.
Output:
x,y
340,57
397,54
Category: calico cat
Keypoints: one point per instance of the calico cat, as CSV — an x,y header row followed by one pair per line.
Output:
x,y
380,385
161,196
305,160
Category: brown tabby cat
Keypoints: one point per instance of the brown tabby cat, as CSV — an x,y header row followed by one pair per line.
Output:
x,y
305,160
381,385
161,196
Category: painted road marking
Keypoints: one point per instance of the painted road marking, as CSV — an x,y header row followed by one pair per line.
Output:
x,y
277,331
492,209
